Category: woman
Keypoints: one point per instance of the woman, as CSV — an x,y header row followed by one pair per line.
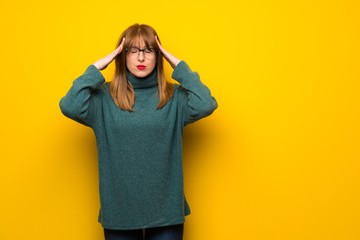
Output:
x,y
138,121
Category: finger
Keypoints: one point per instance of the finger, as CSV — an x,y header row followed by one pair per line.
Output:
x,y
122,42
162,50
158,43
120,47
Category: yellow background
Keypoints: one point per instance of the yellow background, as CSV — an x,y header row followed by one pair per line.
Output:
x,y
279,159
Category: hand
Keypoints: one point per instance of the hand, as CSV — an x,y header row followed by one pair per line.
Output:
x,y
102,63
172,60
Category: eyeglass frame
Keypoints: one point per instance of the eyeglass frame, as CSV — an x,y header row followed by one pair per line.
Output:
x,y
141,50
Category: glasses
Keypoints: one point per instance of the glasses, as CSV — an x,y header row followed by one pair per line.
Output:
x,y
135,51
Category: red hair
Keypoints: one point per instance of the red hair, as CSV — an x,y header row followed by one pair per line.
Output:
x,y
121,89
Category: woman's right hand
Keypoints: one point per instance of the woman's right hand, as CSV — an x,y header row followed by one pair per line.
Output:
x,y
102,63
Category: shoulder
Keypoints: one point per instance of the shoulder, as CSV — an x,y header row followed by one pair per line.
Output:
x,y
102,89
178,89
101,92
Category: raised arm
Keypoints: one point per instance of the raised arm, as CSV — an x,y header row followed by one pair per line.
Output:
x,y
199,102
76,104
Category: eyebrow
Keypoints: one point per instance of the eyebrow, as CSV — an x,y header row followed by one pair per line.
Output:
x,y
142,48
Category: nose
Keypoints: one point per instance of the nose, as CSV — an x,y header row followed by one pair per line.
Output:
x,y
141,56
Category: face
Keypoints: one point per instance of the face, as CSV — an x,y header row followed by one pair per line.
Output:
x,y
140,60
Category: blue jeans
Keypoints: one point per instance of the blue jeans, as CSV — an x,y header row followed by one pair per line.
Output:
x,y
172,232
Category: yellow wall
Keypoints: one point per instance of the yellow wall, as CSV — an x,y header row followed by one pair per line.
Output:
x,y
278,160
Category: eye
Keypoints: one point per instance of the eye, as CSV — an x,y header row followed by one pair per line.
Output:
x,y
148,50
134,50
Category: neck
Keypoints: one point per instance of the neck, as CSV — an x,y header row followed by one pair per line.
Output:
x,y
146,82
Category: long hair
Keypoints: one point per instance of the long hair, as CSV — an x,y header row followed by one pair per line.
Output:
x,y
121,89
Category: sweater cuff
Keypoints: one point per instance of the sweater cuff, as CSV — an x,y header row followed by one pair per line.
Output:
x,y
95,74
181,71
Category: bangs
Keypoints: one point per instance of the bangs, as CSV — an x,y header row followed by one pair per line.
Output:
x,y
121,90
140,35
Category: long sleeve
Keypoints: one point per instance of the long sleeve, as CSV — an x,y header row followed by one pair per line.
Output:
x,y
199,101
77,103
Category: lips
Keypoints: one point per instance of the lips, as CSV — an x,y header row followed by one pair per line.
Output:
x,y
141,67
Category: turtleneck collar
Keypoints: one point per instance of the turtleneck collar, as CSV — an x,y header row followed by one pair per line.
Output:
x,y
146,82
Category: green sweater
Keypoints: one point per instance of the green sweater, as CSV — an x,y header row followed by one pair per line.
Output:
x,y
140,152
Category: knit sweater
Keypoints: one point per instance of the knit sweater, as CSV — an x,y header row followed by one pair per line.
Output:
x,y
139,152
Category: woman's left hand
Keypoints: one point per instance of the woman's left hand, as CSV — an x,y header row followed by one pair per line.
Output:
x,y
172,60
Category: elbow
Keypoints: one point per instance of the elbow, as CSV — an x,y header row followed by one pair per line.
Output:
x,y
74,111
65,108
208,107
68,109
212,106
